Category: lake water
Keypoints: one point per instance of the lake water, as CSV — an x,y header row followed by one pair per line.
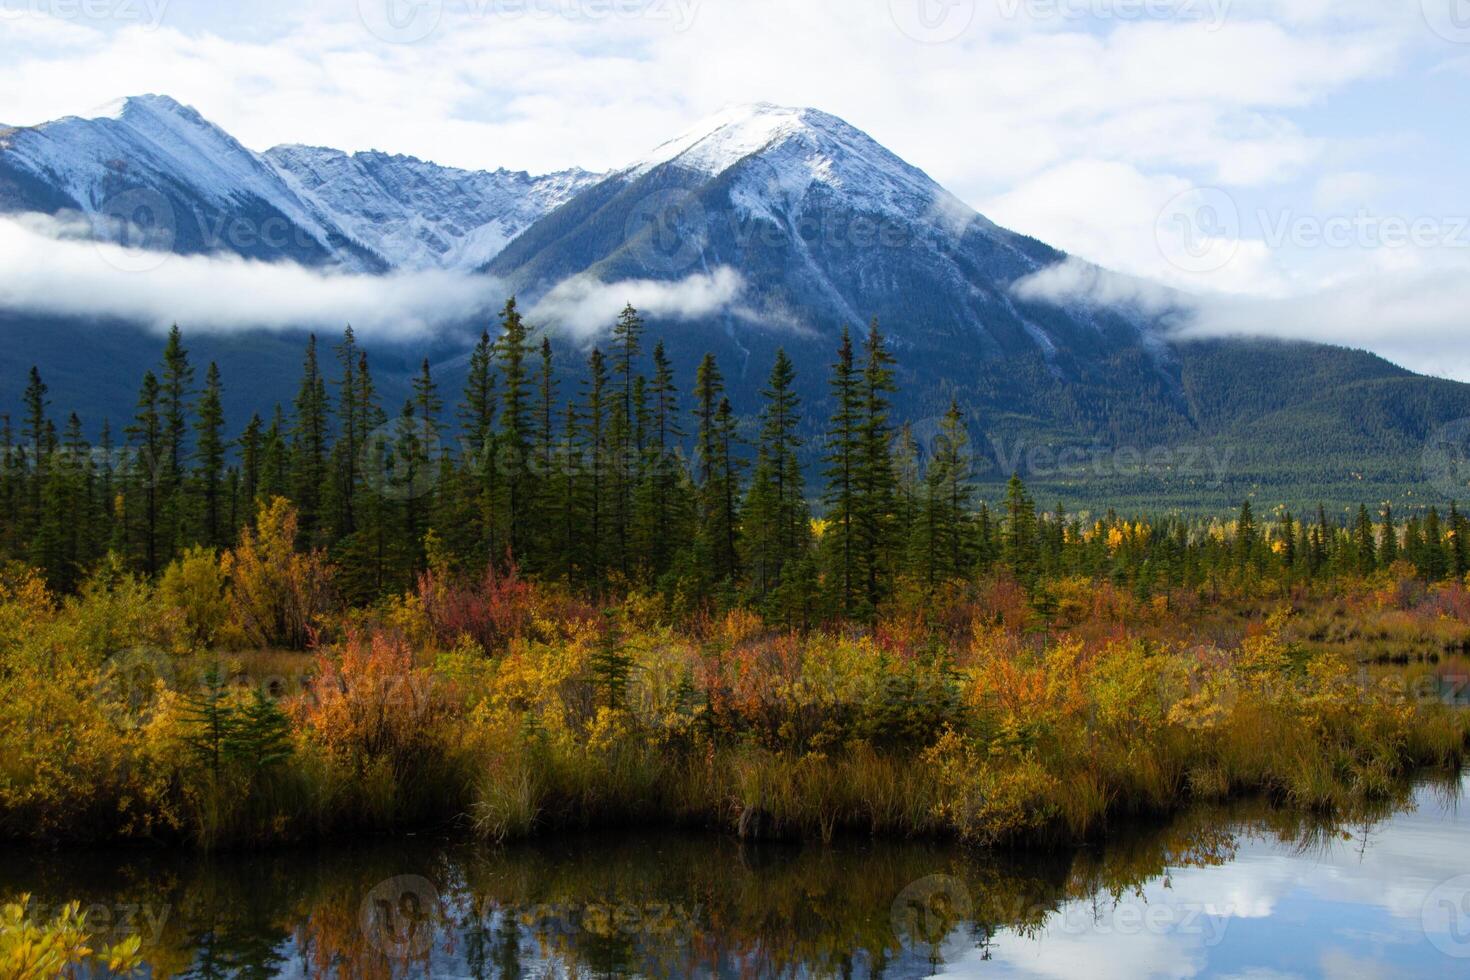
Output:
x,y
1227,892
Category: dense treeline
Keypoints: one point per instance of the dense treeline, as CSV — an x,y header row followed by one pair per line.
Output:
x,y
631,481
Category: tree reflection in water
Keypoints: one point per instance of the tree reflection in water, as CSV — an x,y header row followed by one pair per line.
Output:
x,y
619,904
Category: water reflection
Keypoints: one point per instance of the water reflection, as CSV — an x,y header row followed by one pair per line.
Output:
x,y
1242,891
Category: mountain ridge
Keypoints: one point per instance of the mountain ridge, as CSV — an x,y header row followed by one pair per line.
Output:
x,y
824,227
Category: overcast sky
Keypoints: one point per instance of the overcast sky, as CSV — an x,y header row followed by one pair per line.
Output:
x,y
1302,161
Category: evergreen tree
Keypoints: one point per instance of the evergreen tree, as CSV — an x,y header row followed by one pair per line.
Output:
x,y
147,458
714,434
843,460
1459,546
252,453
175,390
947,500
595,458
662,469
1363,542
1019,551
776,516
875,474
1388,538
309,440
477,421
345,460
33,432
627,335
1432,563
1246,536
209,462
515,426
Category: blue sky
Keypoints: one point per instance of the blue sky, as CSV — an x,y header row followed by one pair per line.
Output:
x,y
1299,164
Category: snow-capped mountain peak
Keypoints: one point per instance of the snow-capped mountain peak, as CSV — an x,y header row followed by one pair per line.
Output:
x,y
366,212
789,151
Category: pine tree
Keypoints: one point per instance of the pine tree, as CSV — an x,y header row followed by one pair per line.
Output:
x,y
776,516
345,460
252,455
1433,563
714,436
662,469
875,473
275,459
1363,542
1246,536
546,495
1459,543
257,736
612,666
1388,538
209,718
843,464
515,428
175,389
1019,550
33,432
627,335
309,441
149,449
594,444
209,461
948,494
1288,541
477,422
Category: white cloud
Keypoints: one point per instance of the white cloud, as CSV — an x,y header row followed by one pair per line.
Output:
x,y
45,268
583,306
1414,316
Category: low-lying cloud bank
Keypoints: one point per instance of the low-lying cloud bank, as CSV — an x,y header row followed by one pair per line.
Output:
x,y
583,306
51,267
45,268
1418,318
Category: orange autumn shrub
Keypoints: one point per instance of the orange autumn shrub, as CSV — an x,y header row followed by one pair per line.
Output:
x,y
369,703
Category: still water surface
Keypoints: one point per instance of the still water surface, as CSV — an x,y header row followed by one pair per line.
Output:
x,y
1226,892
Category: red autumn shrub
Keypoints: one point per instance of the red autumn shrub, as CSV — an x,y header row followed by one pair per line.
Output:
x,y
492,612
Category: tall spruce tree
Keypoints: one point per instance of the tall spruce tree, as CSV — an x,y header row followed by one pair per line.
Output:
x,y
209,462
147,460
309,440
843,459
512,349
175,389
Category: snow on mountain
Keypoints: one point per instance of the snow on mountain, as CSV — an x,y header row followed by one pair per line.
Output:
x,y
154,144
417,214
802,149
366,212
